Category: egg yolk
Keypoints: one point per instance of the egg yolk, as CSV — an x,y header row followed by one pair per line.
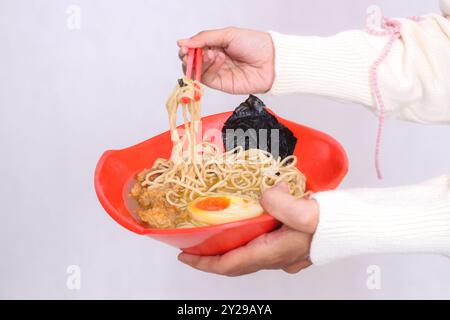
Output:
x,y
213,203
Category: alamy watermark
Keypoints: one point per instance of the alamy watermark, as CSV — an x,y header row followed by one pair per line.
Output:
x,y
374,17
73,281
263,139
373,281
73,20
253,139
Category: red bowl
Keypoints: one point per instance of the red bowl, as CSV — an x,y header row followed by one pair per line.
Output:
x,y
321,158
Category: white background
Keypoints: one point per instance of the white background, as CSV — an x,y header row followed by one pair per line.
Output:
x,y
68,95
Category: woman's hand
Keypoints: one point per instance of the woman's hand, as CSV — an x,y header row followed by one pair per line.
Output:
x,y
237,61
286,248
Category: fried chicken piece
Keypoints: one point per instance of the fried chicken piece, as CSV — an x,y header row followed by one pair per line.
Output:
x,y
154,208
139,192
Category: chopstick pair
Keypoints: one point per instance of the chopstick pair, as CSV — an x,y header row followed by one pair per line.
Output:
x,y
194,65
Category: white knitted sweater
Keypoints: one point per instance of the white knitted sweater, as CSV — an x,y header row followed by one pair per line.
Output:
x,y
414,80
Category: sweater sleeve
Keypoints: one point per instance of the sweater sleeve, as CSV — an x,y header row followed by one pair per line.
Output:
x,y
408,219
414,79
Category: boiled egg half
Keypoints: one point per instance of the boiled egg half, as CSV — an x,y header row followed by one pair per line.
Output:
x,y
223,208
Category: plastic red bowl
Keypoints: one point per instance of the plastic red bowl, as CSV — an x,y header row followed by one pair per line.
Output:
x,y
321,158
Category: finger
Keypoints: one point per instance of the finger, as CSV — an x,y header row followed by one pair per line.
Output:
x,y
230,264
297,267
247,259
183,58
209,56
269,251
210,73
212,38
299,214
183,52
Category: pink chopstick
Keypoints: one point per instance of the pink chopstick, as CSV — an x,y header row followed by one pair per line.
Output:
x,y
194,65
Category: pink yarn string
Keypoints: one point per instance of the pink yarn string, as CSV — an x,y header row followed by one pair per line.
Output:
x,y
390,28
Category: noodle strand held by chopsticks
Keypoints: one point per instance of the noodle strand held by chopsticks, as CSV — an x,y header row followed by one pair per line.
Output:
x,y
203,170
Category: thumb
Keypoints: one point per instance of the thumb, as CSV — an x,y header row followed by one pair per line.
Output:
x,y
208,38
299,214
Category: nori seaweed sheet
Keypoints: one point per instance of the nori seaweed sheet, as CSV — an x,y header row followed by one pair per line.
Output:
x,y
252,114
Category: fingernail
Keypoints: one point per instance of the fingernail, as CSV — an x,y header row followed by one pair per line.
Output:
x,y
185,258
281,184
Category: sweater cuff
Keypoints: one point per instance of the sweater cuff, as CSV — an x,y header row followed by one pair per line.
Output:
x,y
411,219
336,67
